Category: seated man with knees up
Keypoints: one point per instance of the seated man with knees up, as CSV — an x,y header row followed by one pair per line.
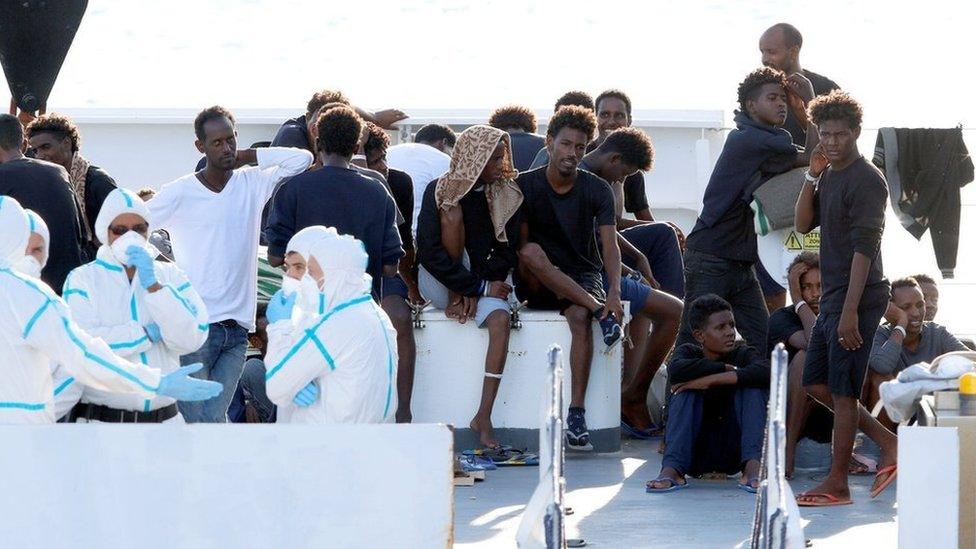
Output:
x,y
569,259
792,326
621,154
144,309
717,415
909,340
467,241
333,367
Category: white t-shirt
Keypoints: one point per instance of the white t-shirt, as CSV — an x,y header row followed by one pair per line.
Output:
x,y
422,163
215,235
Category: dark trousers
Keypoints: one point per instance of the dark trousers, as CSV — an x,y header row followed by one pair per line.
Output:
x,y
733,281
659,243
685,417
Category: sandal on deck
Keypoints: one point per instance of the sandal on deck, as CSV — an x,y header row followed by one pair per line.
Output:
x,y
675,486
832,500
891,471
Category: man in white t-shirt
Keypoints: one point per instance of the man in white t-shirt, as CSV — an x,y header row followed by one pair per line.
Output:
x,y
424,160
213,217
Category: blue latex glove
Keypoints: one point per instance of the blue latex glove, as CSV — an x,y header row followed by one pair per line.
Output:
x,y
181,386
152,332
280,306
307,396
139,258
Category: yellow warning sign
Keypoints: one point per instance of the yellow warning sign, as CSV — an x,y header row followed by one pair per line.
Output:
x,y
793,242
811,241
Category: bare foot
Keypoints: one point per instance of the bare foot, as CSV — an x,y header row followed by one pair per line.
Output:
x,y
486,433
750,474
667,478
635,413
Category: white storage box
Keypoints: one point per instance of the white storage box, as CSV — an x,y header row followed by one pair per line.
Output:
x,y
450,370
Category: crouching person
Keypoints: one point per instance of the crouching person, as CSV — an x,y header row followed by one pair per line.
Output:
x,y
331,349
466,239
717,414
145,310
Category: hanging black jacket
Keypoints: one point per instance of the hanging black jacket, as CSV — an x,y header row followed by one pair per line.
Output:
x,y
925,169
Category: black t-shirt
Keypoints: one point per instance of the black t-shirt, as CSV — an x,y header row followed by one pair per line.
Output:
x,y
821,86
44,188
849,207
564,225
401,187
524,148
342,198
782,325
635,196
97,186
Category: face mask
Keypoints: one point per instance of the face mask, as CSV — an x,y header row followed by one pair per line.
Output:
x,y
124,242
28,265
307,290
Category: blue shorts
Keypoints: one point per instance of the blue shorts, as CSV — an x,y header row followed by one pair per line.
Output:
x,y
633,291
394,285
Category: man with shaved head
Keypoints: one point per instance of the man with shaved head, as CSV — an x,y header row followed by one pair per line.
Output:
x,y
780,47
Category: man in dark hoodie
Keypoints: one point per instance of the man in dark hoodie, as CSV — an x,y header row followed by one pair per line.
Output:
x,y
721,249
717,415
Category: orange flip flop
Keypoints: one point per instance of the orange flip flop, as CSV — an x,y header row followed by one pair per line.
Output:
x,y
832,500
891,471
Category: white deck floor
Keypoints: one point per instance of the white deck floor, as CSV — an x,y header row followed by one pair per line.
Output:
x,y
612,510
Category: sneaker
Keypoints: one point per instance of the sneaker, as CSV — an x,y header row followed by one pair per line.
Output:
x,y
609,326
577,437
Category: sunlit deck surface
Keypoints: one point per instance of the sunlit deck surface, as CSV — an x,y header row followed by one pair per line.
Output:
x,y
611,509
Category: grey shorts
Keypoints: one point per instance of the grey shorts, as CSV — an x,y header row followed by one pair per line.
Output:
x,y
439,297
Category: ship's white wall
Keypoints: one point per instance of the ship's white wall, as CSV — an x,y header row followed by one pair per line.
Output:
x,y
222,486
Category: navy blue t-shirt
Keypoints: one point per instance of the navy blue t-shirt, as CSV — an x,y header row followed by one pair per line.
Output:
x,y
524,148
342,198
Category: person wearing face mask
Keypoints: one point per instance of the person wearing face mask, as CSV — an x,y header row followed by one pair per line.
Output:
x,y
37,329
38,244
145,310
337,365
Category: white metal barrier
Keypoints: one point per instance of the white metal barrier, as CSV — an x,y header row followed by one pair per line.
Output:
x,y
777,519
542,523
114,486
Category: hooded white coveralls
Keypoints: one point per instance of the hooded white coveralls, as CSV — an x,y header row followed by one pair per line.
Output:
x,y
108,305
349,351
36,329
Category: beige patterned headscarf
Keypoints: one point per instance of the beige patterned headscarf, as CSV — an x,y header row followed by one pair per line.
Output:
x,y
472,151
77,177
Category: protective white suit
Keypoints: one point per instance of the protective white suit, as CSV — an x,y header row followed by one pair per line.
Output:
x,y
108,305
349,351
36,329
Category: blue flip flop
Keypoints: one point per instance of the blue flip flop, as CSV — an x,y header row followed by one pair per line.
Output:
x,y
639,434
673,488
747,487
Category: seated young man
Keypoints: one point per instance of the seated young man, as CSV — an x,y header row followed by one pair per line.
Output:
x,y
621,154
561,266
721,250
717,414
792,326
518,122
466,238
909,340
